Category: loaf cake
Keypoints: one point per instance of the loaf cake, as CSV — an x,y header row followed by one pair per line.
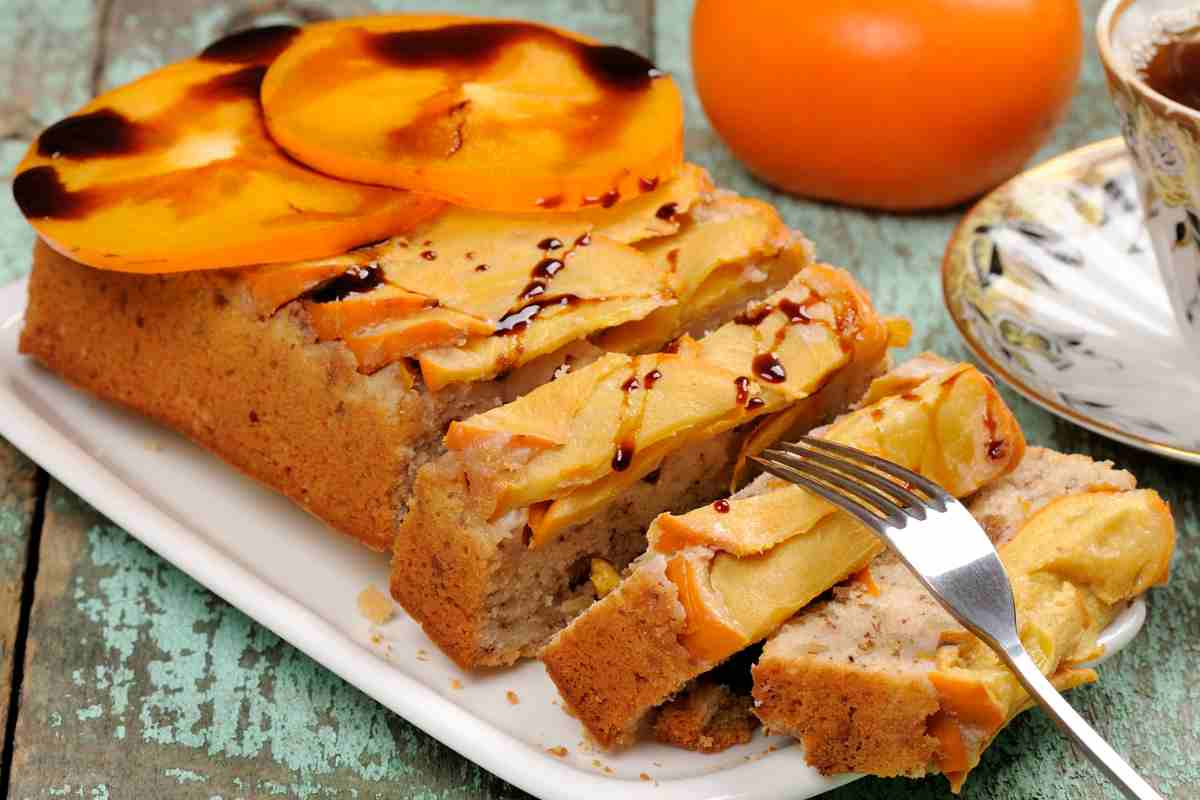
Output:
x,y
334,380
882,680
721,577
494,554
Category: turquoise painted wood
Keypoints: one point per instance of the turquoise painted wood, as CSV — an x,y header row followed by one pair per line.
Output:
x,y
139,683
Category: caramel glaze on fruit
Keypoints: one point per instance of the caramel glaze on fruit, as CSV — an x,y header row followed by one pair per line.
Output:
x,y
251,46
355,280
534,298
39,192
765,367
465,50
474,46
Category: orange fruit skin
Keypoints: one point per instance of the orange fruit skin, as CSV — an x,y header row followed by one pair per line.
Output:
x,y
895,105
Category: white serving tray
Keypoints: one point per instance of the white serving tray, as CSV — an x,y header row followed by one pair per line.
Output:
x,y
292,574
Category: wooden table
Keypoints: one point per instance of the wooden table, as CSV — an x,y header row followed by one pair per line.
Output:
x,y
122,678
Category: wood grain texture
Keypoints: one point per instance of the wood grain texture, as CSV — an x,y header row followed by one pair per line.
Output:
x,y
18,497
140,683
46,59
41,79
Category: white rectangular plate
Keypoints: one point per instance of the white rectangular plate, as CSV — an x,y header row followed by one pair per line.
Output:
x,y
292,574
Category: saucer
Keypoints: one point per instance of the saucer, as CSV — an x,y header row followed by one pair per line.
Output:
x,y
1051,281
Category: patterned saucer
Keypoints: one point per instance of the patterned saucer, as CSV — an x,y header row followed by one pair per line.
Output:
x,y
1051,281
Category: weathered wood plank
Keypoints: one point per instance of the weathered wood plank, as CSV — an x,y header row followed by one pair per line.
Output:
x,y
18,496
45,72
1146,701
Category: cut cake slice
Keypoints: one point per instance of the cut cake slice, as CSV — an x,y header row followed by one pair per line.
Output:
x,y
495,553
882,680
726,575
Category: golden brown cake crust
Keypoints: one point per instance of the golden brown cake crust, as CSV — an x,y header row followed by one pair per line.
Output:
x,y
707,718
187,351
892,727
441,578
591,663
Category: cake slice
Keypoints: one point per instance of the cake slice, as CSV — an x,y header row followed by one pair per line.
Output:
x,y
721,577
882,680
333,381
495,553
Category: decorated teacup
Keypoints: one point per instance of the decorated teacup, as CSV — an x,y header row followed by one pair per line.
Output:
x,y
1163,137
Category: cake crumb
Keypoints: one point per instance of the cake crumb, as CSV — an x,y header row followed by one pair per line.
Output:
x,y
597,763
512,697
376,639
558,752
375,605
422,655
455,683
643,776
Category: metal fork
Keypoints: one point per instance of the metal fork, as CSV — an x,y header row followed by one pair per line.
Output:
x,y
943,545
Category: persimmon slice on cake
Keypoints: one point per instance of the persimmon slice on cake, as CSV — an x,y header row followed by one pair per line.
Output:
x,y
176,172
490,114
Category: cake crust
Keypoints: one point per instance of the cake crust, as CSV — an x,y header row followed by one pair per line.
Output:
x,y
188,351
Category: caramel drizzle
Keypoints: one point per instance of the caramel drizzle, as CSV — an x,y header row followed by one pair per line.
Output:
x,y
465,50
624,448
523,313
356,280
766,365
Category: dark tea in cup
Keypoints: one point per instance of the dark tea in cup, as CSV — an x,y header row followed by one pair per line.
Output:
x,y
1174,68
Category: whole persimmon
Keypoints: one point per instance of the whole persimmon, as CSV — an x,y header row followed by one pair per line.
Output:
x,y
892,104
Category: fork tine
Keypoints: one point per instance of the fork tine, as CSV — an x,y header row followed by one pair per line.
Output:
x,y
891,512
935,492
861,492
897,492
791,475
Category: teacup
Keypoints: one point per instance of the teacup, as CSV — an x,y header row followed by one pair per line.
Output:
x,y
1163,138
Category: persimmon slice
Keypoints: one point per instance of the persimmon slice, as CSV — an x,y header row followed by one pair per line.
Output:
x,y
490,114
176,172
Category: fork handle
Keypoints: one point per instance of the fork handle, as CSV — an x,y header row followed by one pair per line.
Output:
x,y
1075,726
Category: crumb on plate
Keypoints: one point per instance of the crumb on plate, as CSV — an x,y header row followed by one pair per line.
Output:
x,y
375,605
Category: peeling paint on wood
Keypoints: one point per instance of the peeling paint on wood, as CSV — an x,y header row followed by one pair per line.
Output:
x,y
140,683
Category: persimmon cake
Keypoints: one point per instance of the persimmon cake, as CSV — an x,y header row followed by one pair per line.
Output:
x,y
721,577
332,373
448,283
877,678
495,553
